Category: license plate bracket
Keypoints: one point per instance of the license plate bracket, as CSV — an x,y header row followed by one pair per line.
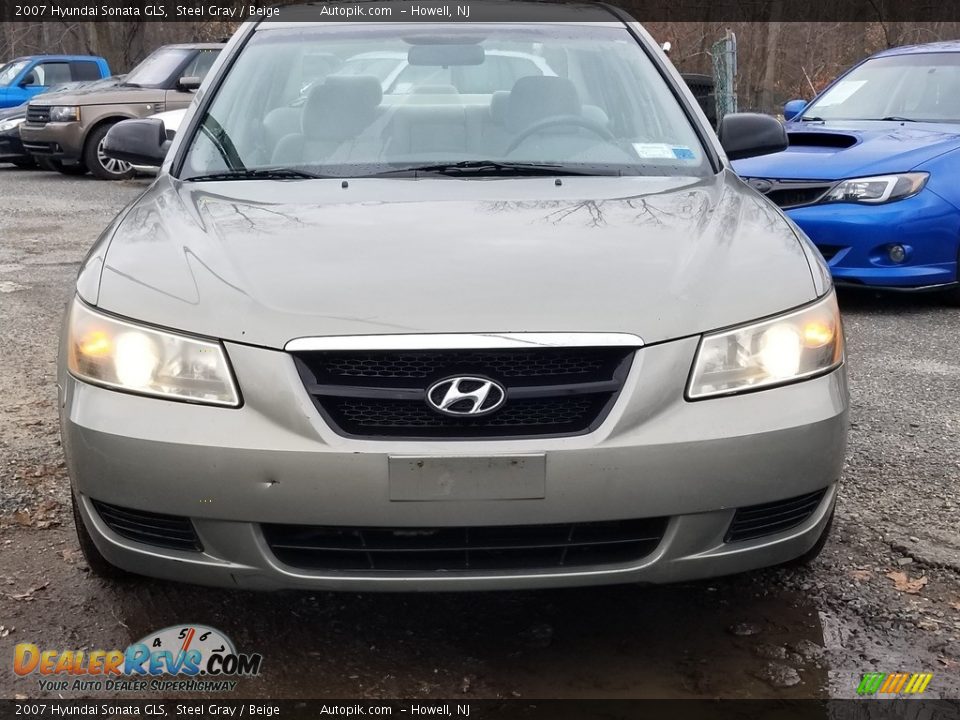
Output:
x,y
455,478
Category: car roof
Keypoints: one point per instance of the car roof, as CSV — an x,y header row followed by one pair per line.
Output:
x,y
55,57
948,46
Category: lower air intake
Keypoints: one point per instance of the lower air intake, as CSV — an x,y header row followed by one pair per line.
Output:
x,y
757,521
464,549
168,531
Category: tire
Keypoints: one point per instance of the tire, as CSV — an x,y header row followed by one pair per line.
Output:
x,y
26,164
813,553
99,565
102,167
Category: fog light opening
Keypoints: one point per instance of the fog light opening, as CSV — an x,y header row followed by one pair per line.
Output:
x,y
897,253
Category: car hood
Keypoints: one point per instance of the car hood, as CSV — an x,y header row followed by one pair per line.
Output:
x,y
835,150
116,95
263,262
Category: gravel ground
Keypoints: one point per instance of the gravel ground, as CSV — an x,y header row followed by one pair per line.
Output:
x,y
884,596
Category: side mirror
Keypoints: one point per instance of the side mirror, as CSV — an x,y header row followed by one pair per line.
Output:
x,y
140,142
189,83
745,135
29,81
793,108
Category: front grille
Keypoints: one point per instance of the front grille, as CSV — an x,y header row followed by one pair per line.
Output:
x,y
792,193
759,520
464,549
169,531
38,114
382,394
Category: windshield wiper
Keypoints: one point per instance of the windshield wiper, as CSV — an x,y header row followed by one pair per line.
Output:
x,y
493,168
897,118
279,173
811,118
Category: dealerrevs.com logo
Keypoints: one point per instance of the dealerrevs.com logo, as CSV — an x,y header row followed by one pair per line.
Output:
x,y
186,658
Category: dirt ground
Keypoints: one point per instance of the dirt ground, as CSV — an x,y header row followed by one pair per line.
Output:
x,y
883,597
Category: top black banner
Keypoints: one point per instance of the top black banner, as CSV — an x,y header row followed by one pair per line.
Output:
x,y
425,11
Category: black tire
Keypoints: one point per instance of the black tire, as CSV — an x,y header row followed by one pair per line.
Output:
x,y
813,553
100,166
26,164
99,565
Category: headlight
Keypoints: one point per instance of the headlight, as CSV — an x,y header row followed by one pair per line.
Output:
x,y
117,354
879,189
8,125
64,113
798,345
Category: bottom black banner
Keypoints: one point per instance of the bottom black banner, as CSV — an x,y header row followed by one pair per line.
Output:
x,y
514,708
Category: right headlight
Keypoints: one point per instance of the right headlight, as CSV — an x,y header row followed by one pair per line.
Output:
x,y
121,355
64,113
794,346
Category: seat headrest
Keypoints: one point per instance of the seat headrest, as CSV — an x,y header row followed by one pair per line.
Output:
x,y
341,107
536,98
499,102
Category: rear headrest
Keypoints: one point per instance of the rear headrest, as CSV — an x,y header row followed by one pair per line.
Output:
x,y
499,104
536,98
341,107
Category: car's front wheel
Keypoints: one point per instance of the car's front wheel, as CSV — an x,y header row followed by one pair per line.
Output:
x,y
99,565
100,164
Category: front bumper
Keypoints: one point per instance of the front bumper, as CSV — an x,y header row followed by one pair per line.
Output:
x,y
275,461
855,240
56,140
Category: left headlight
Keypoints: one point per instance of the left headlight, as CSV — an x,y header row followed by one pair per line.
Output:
x,y
795,346
8,125
124,356
879,189
64,113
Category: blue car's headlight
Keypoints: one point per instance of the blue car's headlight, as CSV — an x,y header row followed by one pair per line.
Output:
x,y
878,189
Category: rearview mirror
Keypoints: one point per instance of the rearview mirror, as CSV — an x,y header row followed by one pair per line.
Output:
x,y
793,108
188,83
745,135
140,142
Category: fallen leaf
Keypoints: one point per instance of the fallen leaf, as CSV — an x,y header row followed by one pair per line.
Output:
x,y
955,605
29,594
22,517
903,583
860,575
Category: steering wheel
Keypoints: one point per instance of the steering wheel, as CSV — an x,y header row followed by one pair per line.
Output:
x,y
560,120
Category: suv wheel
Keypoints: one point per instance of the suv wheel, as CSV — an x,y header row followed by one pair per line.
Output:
x,y
101,166
54,165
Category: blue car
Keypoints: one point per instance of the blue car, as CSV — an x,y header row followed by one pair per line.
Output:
x,y
872,173
25,77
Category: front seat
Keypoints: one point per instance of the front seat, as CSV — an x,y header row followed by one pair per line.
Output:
x,y
537,97
336,112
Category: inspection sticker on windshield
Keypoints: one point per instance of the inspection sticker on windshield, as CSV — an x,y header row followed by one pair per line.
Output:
x,y
662,151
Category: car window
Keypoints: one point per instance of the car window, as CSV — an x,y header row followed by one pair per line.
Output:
x,y
158,67
201,64
51,73
476,93
84,70
923,86
10,71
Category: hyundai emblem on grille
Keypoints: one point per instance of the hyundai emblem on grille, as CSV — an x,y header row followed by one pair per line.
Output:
x,y
466,396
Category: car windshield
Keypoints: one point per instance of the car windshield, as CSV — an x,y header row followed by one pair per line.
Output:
x,y
477,99
921,87
9,72
157,68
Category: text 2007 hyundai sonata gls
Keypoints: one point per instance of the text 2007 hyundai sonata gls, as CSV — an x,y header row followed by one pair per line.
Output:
x,y
517,326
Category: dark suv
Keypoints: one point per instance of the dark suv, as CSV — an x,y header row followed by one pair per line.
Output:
x,y
67,132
